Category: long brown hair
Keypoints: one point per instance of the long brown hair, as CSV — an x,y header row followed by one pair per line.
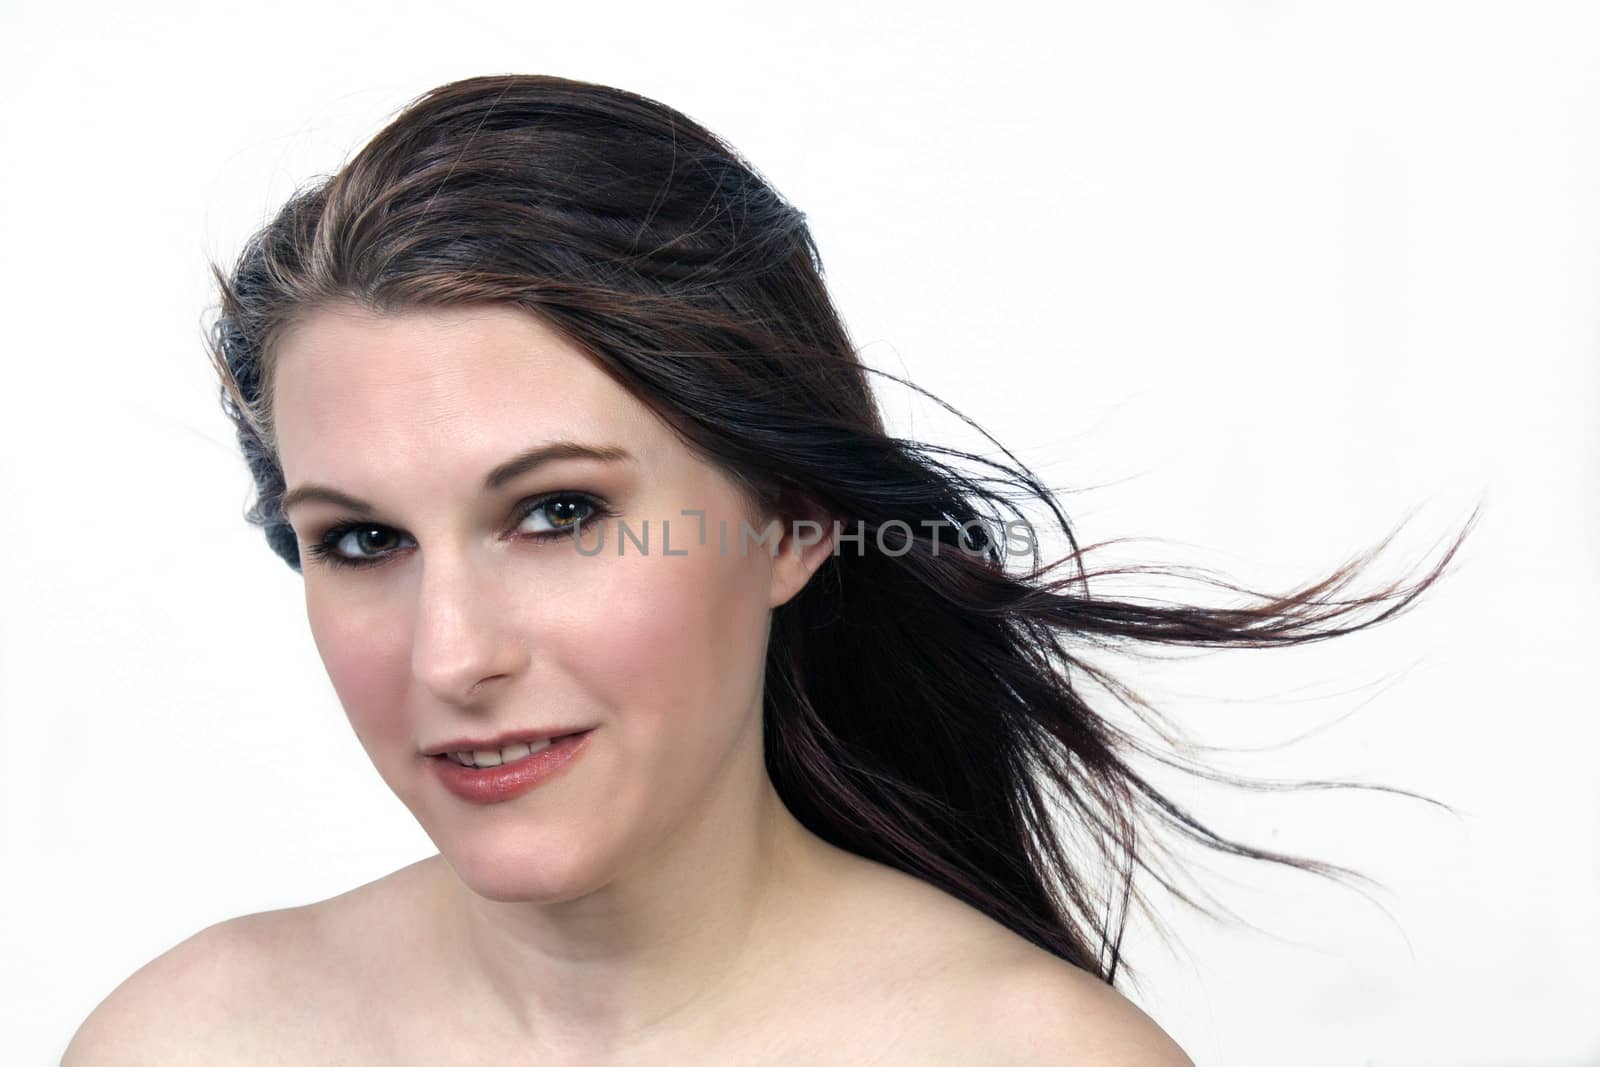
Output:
x,y
922,703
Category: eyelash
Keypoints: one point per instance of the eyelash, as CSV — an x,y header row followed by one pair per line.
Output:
x,y
326,548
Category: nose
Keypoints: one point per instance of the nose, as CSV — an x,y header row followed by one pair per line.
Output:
x,y
464,635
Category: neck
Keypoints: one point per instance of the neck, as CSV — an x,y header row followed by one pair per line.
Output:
x,y
661,948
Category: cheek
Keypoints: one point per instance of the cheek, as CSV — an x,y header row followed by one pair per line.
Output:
x,y
677,643
366,668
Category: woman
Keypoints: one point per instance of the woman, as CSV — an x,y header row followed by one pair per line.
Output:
x,y
739,738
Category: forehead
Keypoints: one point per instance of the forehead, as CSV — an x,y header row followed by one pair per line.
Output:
x,y
422,384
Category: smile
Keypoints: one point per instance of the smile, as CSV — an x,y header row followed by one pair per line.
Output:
x,y
496,775
495,757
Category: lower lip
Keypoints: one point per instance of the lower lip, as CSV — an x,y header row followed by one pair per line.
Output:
x,y
492,785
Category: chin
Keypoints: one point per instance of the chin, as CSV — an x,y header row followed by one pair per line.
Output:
x,y
513,864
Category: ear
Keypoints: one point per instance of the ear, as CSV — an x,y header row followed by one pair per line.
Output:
x,y
807,541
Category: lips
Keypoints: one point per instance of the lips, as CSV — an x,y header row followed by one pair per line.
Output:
x,y
503,740
505,781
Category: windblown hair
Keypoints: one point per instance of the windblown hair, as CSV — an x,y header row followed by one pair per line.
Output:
x,y
921,702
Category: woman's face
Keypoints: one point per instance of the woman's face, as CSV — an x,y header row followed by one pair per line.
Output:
x,y
452,620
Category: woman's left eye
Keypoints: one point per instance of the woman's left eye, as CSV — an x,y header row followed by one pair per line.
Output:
x,y
563,512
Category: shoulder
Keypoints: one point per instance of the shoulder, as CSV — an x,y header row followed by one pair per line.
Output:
x,y
199,996
1039,1010
273,986
1001,998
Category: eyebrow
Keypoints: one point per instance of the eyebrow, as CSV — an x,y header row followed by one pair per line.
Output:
x,y
515,467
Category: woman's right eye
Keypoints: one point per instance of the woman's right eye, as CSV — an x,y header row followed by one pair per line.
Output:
x,y
347,545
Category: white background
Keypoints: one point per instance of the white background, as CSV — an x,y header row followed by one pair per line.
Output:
x,y
1273,275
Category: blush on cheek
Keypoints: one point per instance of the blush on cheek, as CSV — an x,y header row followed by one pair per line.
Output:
x,y
368,675
684,627
676,644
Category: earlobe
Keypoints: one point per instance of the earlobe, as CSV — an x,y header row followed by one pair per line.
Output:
x,y
807,543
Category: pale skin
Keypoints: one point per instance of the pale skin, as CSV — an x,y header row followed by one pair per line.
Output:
x,y
657,902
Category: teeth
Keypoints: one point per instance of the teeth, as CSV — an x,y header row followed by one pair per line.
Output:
x,y
494,757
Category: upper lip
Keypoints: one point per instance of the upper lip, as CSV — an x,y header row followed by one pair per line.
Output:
x,y
501,740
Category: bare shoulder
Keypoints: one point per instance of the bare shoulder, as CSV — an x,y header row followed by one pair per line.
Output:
x,y
1000,999
181,1007
281,986
1043,1010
